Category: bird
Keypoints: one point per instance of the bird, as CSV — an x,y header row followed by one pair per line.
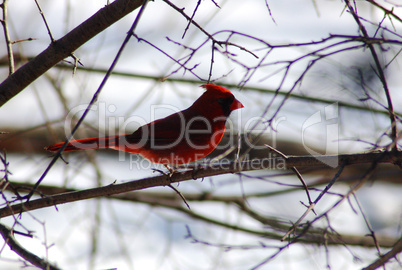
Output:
x,y
180,138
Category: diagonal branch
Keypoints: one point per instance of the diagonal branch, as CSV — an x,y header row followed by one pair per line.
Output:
x,y
62,48
272,226
8,235
397,248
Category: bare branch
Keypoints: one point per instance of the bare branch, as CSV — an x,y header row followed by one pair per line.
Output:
x,y
63,47
8,236
396,249
9,43
394,135
45,22
214,169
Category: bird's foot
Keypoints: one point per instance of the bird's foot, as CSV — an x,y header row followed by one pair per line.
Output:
x,y
171,170
169,174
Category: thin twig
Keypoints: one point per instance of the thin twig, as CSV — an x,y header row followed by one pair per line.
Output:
x,y
269,11
191,19
312,205
386,11
172,58
44,20
381,261
181,195
330,184
294,169
181,11
372,233
9,43
8,236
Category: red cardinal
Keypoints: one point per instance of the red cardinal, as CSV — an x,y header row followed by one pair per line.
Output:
x,y
180,138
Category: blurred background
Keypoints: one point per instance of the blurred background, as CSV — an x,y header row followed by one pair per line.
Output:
x,y
309,87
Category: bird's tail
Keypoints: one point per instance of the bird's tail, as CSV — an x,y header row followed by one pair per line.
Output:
x,y
83,144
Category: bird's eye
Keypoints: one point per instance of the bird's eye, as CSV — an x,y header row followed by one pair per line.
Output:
x,y
222,101
226,101
225,104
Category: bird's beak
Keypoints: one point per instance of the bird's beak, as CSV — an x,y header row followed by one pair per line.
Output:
x,y
236,105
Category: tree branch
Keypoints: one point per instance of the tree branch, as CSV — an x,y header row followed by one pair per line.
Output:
x,y
211,170
64,47
8,236
8,39
273,227
397,248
